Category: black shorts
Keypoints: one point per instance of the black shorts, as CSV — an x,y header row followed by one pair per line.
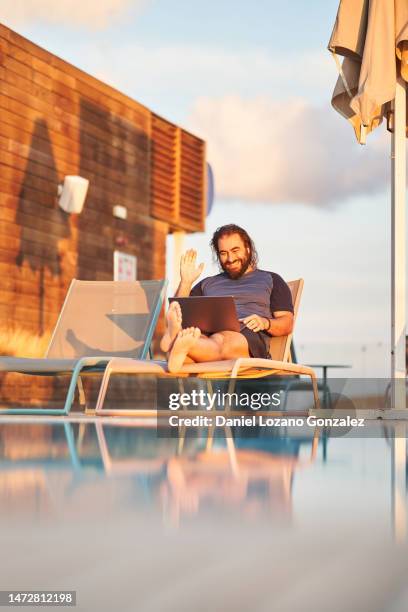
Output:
x,y
257,343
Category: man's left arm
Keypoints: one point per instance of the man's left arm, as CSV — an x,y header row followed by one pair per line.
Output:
x,y
280,325
281,305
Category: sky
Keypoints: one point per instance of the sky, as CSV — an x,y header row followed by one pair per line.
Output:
x,y
255,81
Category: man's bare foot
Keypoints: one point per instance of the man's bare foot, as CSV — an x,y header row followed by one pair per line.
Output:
x,y
174,320
185,340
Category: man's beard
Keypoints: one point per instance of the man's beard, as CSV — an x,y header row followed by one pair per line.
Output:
x,y
238,272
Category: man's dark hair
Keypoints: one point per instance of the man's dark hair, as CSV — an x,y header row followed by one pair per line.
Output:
x,y
227,230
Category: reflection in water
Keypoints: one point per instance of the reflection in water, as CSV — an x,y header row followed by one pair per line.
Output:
x,y
255,479
261,524
183,480
24,491
251,481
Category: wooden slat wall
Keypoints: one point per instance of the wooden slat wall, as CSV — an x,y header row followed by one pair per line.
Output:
x,y
178,171
56,120
192,181
164,162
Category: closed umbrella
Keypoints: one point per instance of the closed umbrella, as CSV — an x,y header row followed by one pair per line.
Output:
x,y
372,37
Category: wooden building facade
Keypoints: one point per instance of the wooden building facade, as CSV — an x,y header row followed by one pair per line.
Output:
x,y
56,120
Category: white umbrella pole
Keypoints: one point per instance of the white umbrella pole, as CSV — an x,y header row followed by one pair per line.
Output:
x,y
398,195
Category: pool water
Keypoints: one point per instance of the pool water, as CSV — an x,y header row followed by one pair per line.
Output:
x,y
133,521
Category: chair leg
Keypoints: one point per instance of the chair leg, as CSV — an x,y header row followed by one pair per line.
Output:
x,y
315,444
180,383
287,390
211,428
81,393
315,392
329,398
102,390
71,389
387,396
231,386
182,431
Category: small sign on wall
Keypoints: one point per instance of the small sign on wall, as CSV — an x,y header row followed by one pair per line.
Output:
x,y
124,266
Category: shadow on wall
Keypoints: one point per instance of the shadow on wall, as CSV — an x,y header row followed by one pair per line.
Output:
x,y
114,156
43,224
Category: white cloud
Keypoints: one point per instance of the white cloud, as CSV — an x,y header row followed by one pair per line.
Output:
x,y
270,137
264,150
192,71
266,144
93,14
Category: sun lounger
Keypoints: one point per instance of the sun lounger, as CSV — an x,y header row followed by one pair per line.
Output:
x,y
279,365
99,321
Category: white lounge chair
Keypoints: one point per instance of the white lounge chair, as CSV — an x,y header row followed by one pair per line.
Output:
x,y
279,364
99,321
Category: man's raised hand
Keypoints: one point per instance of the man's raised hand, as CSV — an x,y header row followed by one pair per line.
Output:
x,y
189,271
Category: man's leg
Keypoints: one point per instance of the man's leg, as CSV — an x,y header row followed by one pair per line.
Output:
x,y
174,321
219,346
222,345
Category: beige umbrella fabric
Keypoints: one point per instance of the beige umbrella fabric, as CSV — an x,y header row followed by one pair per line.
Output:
x,y
372,35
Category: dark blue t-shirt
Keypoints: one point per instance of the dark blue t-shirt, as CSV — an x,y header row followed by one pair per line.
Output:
x,y
257,292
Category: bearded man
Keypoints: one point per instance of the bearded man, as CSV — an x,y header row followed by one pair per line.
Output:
x,y
263,302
